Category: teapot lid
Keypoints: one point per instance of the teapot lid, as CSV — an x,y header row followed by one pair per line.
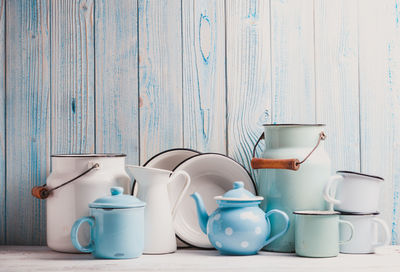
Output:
x,y
117,200
238,193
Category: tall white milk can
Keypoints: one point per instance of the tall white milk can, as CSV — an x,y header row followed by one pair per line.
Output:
x,y
75,181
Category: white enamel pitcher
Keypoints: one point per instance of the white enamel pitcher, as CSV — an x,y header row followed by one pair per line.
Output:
x,y
292,175
159,234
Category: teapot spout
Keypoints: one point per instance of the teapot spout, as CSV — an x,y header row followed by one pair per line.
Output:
x,y
201,212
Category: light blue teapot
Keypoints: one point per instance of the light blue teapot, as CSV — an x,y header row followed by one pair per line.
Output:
x,y
238,226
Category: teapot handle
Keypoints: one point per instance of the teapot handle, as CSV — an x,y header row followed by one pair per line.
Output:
x,y
187,183
285,229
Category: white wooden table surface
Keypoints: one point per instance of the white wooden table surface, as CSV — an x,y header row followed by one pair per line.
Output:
x,y
30,258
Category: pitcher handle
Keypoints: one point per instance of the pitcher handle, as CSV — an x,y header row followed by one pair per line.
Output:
x,y
74,234
386,232
327,191
351,229
187,183
285,229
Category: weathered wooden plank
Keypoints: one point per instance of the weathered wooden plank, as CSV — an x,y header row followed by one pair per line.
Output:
x,y
160,76
28,113
292,61
248,75
2,125
336,70
116,57
379,56
204,89
72,76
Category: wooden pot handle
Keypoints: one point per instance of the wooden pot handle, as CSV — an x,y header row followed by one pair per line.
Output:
x,y
289,164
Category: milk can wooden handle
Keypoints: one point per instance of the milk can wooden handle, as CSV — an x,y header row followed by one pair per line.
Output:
x,y
289,164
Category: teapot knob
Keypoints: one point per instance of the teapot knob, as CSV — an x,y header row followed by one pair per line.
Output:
x,y
116,191
238,184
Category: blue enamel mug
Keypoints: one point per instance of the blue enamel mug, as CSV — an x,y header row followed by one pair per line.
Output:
x,y
116,227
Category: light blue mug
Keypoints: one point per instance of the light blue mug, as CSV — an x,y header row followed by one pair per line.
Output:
x,y
116,227
317,233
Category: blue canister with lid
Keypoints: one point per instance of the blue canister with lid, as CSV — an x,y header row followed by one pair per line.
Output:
x,y
116,227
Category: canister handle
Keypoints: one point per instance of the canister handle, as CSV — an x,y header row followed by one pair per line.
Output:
x,y
74,234
289,164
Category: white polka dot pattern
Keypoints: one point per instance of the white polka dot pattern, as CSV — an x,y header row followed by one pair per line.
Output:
x,y
218,244
228,231
244,244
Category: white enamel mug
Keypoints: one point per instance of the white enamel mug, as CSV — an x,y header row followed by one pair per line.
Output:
x,y
367,228
353,192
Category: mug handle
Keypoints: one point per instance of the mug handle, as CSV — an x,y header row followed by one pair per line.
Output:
x,y
351,228
386,232
74,234
285,229
187,183
327,190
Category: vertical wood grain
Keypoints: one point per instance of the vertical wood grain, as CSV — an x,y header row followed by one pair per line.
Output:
x,y
292,52
116,57
248,75
337,100
28,112
2,126
379,53
203,34
160,76
72,77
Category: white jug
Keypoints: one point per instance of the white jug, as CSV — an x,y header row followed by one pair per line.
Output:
x,y
159,234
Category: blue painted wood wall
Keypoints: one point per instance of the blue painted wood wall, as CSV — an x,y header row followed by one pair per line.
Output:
x,y
142,76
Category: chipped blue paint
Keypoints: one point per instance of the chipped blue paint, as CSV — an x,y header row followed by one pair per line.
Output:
x,y
204,19
253,10
73,105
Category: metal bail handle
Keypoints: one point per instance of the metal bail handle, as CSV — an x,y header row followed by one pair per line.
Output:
x,y
42,192
289,164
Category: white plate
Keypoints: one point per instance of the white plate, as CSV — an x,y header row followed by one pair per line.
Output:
x,y
168,160
211,175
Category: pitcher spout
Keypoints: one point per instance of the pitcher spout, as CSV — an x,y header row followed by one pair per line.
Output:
x,y
201,212
149,176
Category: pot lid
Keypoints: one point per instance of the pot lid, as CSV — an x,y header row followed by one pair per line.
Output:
x,y
117,200
238,193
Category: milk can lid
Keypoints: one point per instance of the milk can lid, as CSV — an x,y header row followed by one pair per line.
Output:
x,y
117,200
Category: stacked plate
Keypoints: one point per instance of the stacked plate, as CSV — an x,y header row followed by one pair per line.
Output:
x,y
211,175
